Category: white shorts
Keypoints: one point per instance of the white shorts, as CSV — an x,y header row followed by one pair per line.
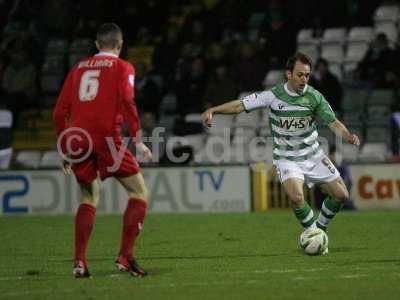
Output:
x,y
318,169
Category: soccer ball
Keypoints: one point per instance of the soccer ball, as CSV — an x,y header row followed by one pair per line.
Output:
x,y
314,241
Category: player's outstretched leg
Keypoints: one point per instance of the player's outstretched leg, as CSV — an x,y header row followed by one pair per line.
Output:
x,y
330,207
133,218
132,224
305,215
337,195
302,210
83,228
84,220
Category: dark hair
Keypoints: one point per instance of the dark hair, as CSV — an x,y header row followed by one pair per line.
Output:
x,y
109,35
298,56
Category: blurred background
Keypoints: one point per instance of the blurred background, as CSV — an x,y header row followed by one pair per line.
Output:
x,y
193,54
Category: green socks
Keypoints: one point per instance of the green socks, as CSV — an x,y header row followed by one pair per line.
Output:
x,y
305,215
330,207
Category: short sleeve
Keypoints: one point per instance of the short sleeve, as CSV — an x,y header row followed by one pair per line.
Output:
x,y
127,83
325,112
129,110
257,100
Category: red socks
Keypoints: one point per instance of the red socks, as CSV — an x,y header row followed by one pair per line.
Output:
x,y
83,228
132,223
133,220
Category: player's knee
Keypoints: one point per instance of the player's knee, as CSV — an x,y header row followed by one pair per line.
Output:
x,y
296,198
141,193
90,193
342,195
92,200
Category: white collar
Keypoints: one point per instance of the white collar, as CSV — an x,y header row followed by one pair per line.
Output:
x,y
106,54
293,94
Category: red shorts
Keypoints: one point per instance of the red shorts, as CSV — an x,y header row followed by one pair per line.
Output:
x,y
102,162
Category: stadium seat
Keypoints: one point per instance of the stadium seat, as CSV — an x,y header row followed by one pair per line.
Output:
x,y
305,36
359,34
57,46
389,29
52,73
333,52
377,133
374,152
193,118
6,122
5,158
381,97
333,36
311,50
50,159
6,118
352,118
251,119
336,69
354,100
79,49
53,64
378,113
349,68
355,52
386,13
273,78
28,158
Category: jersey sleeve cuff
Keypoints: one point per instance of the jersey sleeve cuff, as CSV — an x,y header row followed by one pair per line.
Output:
x,y
244,107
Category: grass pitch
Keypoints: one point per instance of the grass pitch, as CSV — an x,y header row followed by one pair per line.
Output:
x,y
205,256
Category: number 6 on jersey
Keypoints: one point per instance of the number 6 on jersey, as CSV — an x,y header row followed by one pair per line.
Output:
x,y
89,85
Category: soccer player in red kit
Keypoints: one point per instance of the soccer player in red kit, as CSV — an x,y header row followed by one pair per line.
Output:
x,y
96,98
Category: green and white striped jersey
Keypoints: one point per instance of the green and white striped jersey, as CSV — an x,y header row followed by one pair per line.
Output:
x,y
292,120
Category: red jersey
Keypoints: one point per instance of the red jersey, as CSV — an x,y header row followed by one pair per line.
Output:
x,y
97,96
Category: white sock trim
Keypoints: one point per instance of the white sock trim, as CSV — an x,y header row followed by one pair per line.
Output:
x,y
327,210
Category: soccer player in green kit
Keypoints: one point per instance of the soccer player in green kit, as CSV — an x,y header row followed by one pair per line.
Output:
x,y
297,154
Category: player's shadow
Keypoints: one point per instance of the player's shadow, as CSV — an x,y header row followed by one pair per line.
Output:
x,y
156,271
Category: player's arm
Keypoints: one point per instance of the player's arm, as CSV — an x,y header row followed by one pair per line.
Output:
x,y
338,128
61,112
130,112
61,115
325,112
250,102
231,107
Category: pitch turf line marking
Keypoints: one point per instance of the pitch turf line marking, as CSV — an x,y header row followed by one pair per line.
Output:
x,y
10,278
261,281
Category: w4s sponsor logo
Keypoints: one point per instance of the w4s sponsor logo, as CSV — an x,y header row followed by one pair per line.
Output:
x,y
295,123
